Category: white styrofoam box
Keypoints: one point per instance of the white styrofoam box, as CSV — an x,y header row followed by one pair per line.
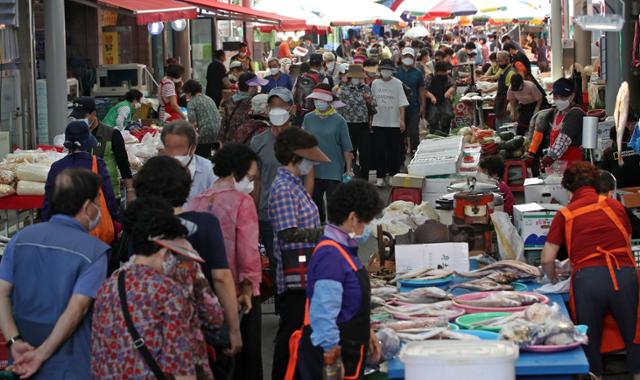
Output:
x,y
533,221
447,143
545,191
453,256
433,166
437,185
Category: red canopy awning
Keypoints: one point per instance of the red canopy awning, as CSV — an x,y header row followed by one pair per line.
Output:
x,y
244,13
148,11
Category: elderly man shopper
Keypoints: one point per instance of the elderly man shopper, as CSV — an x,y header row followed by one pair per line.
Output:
x,y
388,122
49,275
276,77
257,121
203,115
505,73
180,141
414,79
236,108
280,109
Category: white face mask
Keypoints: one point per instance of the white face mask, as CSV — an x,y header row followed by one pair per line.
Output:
x,y
356,81
386,74
562,104
278,116
93,223
244,186
137,106
321,105
407,61
187,162
305,166
274,70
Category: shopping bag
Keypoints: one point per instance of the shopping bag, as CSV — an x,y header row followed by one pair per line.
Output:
x,y
105,230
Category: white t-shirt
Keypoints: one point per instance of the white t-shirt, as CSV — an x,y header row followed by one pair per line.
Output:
x,y
389,97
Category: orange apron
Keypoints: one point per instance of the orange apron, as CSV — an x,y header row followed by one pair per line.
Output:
x,y
611,338
358,351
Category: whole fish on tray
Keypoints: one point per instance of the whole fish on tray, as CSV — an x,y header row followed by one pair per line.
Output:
x,y
384,292
424,274
424,323
498,321
501,299
482,285
513,267
439,333
423,295
409,309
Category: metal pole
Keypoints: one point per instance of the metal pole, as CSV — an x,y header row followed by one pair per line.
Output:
x,y
556,39
55,66
28,77
566,20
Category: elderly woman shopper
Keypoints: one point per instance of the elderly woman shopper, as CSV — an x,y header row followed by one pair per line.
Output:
x,y
229,200
276,77
296,224
525,101
604,279
150,315
203,114
237,108
338,290
257,122
358,111
332,133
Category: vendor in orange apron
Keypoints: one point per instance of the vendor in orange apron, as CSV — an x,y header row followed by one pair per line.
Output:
x,y
338,306
565,136
604,279
169,92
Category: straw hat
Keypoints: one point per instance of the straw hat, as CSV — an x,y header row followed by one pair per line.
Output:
x,y
356,71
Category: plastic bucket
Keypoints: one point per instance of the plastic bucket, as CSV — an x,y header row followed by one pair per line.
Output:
x,y
454,360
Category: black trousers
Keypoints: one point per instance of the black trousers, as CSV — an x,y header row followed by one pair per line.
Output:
x,y
525,113
360,135
291,306
439,117
412,131
322,187
594,296
387,145
249,361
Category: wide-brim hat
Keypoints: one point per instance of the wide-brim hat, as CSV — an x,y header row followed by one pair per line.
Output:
x,y
356,71
180,247
387,64
321,94
77,134
313,154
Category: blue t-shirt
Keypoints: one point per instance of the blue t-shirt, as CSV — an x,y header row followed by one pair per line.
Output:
x,y
47,263
414,79
283,81
332,134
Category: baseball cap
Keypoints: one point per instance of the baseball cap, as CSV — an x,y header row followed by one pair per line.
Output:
x,y
82,106
409,51
563,87
77,135
283,93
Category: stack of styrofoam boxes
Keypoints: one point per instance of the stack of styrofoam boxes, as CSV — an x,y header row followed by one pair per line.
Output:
x,y
437,157
435,187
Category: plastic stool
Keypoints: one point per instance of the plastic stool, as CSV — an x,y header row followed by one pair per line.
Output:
x,y
515,164
406,194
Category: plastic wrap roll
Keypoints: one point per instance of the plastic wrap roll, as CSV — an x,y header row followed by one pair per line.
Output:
x,y
30,188
590,132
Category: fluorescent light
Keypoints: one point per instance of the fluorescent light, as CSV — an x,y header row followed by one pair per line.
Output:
x,y
594,23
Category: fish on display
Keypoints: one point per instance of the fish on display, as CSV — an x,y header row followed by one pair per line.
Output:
x,y
424,274
509,268
423,295
408,309
482,285
384,292
423,323
501,299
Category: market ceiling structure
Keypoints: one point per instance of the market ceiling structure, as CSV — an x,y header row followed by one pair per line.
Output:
x,y
149,11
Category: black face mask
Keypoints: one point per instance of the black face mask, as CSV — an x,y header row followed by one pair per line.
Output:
x,y
503,66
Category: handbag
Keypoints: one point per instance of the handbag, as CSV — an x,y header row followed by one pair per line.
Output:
x,y
138,342
105,230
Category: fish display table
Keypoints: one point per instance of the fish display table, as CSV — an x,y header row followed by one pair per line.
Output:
x,y
530,365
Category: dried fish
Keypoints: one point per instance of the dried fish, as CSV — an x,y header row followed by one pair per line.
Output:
x,y
482,285
497,321
439,333
507,267
424,323
423,295
384,292
424,274
415,309
501,299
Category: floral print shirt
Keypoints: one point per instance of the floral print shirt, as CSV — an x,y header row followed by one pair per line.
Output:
x,y
203,111
355,98
170,312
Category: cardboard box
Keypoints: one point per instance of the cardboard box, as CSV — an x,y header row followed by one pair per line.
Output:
x,y
533,221
548,190
453,256
408,181
630,196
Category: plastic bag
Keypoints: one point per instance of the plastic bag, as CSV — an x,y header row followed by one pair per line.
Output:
x,y
6,190
33,172
634,143
510,243
389,343
30,188
7,177
30,156
558,287
128,138
58,141
147,147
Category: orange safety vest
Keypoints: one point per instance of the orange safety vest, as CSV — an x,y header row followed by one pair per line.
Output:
x,y
294,341
611,338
